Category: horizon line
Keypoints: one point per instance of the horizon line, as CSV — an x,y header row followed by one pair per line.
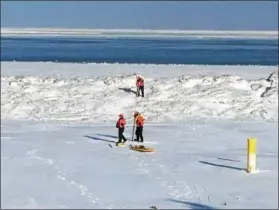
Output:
x,y
133,29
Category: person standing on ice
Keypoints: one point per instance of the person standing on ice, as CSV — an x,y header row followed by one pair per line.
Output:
x,y
139,121
140,85
120,124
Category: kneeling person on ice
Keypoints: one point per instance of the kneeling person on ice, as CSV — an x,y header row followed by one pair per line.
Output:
x,y
120,124
139,120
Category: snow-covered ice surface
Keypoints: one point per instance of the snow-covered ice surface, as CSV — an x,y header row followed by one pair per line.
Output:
x,y
196,165
57,121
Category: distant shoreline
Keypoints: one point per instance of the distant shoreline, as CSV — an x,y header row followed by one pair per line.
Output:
x,y
136,32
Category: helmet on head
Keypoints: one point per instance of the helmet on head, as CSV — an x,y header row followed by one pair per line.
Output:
x,y
136,113
121,115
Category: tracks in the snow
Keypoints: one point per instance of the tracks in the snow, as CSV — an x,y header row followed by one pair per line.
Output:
x,y
62,175
174,186
147,165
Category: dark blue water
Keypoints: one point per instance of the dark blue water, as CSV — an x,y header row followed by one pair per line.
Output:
x,y
141,50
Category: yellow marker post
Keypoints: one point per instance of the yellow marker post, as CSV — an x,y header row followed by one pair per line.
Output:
x,y
251,155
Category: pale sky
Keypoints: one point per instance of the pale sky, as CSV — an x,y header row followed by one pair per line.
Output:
x,y
208,15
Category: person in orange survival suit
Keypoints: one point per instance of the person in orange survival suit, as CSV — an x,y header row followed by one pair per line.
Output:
x,y
139,120
140,85
120,124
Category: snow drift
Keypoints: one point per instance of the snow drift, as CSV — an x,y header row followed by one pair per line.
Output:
x,y
99,99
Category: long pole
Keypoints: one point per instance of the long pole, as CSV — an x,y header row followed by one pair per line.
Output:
x,y
133,130
134,120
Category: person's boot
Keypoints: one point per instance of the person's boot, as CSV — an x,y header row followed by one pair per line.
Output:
x,y
124,141
136,140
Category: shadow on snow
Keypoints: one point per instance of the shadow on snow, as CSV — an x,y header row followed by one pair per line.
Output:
x,y
192,205
128,90
223,166
110,136
100,139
